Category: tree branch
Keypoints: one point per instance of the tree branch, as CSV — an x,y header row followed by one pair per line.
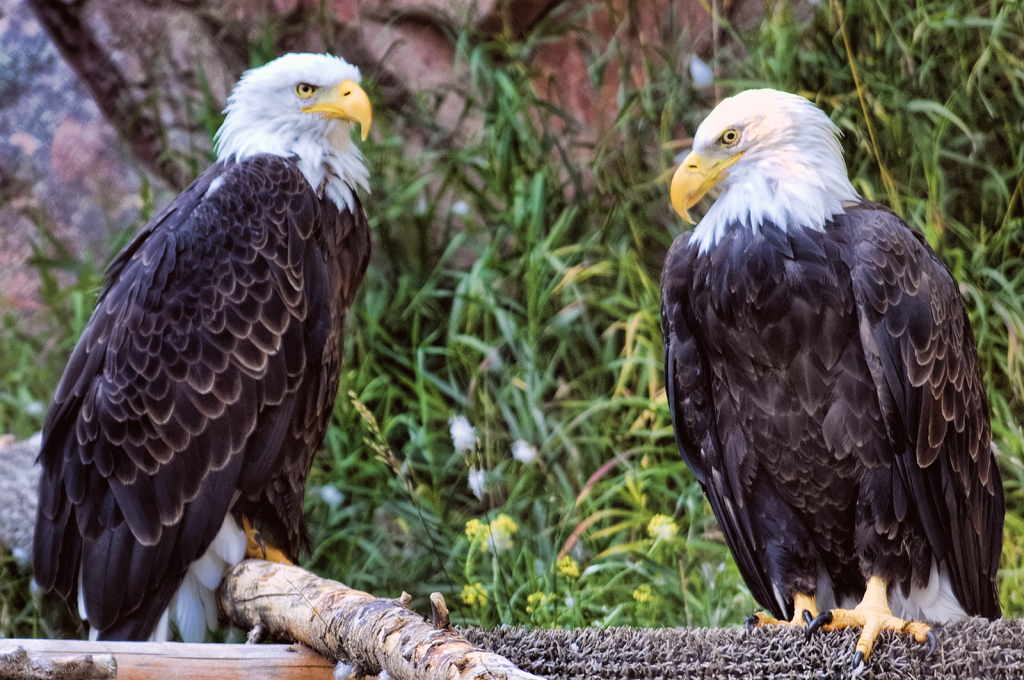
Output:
x,y
354,627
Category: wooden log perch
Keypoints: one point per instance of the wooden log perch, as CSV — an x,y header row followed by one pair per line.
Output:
x,y
354,627
16,663
160,660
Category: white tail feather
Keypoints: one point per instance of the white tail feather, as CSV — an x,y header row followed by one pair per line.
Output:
x,y
188,609
934,603
81,598
160,633
195,603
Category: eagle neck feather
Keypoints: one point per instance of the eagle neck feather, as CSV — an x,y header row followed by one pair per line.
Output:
x,y
762,199
331,163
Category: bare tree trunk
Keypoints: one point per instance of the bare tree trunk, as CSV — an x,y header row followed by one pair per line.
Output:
x,y
354,627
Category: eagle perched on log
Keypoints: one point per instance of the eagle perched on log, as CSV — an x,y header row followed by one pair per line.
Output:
x,y
824,385
189,413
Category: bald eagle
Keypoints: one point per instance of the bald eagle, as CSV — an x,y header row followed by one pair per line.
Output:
x,y
824,387
192,406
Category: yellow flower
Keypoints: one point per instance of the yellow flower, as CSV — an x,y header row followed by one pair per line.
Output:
x,y
498,534
476,531
643,593
662,528
535,600
474,595
502,530
568,567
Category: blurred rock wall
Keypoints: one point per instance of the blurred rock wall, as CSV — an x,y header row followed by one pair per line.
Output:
x,y
94,93
61,165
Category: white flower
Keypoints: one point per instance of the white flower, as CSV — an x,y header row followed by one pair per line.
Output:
x,y
21,556
35,408
330,495
700,72
460,207
463,434
523,452
477,482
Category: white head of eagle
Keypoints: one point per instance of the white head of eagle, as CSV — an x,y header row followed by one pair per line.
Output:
x,y
302,106
773,156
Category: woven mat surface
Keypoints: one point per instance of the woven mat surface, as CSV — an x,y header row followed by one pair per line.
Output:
x,y
975,648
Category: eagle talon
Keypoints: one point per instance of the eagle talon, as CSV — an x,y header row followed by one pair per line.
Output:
x,y
933,642
872,616
858,665
259,541
804,611
820,621
257,548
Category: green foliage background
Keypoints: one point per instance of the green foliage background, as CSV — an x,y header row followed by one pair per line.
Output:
x,y
515,282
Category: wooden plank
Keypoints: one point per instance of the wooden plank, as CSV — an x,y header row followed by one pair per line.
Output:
x,y
181,661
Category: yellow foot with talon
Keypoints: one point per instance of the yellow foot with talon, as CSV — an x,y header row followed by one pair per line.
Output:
x,y
256,548
873,616
804,611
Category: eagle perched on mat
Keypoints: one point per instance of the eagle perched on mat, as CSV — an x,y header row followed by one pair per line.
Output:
x,y
201,388
824,385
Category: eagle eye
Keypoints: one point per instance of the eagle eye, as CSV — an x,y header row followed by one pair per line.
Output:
x,y
305,90
729,137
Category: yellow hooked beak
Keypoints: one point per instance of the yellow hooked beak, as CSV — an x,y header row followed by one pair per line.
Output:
x,y
348,101
694,178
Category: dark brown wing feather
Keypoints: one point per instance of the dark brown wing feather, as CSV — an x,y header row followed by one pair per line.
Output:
x,y
687,383
203,375
923,358
276,506
760,353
